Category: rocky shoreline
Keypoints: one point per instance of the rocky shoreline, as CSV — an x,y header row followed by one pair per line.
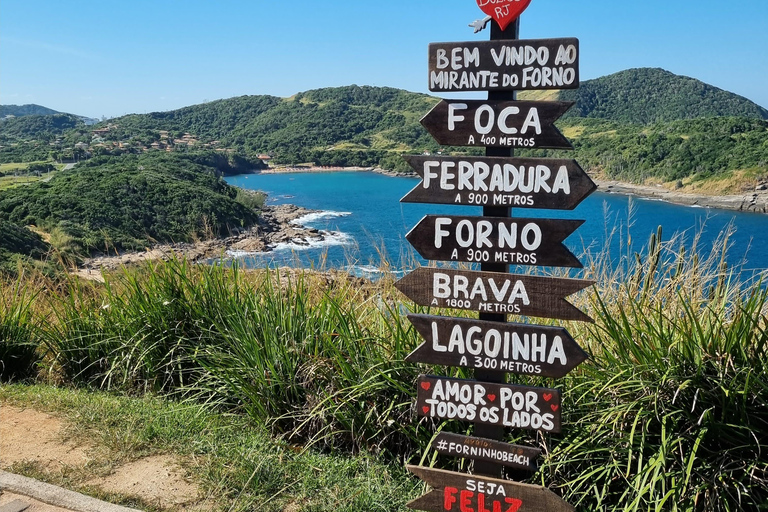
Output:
x,y
756,201
277,225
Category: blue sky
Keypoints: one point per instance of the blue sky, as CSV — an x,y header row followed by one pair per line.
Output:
x,y
109,58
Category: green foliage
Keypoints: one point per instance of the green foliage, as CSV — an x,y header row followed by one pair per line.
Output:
x,y
304,128
237,465
670,150
652,95
26,110
19,246
19,332
37,127
669,414
129,202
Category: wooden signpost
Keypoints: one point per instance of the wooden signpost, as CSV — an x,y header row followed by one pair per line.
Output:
x,y
489,403
497,182
523,349
491,292
501,124
509,182
504,65
455,492
476,448
495,239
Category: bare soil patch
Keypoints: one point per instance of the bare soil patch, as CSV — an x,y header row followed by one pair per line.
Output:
x,y
27,435
157,480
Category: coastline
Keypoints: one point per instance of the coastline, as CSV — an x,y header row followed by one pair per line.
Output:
x,y
280,224
756,201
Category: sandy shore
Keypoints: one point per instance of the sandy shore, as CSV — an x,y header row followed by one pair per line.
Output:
x,y
756,201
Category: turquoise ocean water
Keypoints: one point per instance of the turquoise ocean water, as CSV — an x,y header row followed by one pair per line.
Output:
x,y
365,219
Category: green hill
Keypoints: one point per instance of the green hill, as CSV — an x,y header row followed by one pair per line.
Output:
x,y
128,202
335,126
651,95
44,127
25,110
18,243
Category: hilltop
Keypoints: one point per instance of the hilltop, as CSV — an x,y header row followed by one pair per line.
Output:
x,y
26,110
634,125
652,95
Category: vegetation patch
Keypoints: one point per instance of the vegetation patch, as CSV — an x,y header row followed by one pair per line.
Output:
x,y
131,202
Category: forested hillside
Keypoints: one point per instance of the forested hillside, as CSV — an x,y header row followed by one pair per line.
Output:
x,y
633,125
26,110
668,151
44,127
129,202
649,95
18,243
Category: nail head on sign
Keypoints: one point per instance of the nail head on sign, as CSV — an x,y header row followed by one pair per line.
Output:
x,y
503,12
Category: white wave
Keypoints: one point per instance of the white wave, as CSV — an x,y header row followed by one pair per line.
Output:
x,y
313,217
330,239
371,271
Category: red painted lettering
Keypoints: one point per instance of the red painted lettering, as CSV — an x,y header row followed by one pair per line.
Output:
x,y
514,504
449,497
464,501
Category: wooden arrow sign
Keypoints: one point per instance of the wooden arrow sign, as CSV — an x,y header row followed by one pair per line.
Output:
x,y
516,348
505,124
504,65
489,403
477,448
490,292
457,492
513,241
514,182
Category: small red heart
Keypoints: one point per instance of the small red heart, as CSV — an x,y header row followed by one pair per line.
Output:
x,y
492,398
554,407
547,397
425,386
425,409
503,11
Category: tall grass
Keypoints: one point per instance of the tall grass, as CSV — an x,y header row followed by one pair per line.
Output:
x,y
19,330
669,414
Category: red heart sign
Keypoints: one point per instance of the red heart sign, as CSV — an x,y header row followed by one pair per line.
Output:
x,y
425,386
492,398
547,397
503,11
425,409
554,407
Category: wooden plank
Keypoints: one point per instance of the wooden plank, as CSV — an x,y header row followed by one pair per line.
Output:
x,y
506,124
532,64
515,348
476,448
457,492
550,183
515,241
490,292
489,403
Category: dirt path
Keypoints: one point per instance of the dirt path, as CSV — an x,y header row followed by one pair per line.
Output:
x,y
34,440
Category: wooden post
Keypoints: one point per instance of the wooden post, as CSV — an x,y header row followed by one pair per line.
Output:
x,y
494,432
